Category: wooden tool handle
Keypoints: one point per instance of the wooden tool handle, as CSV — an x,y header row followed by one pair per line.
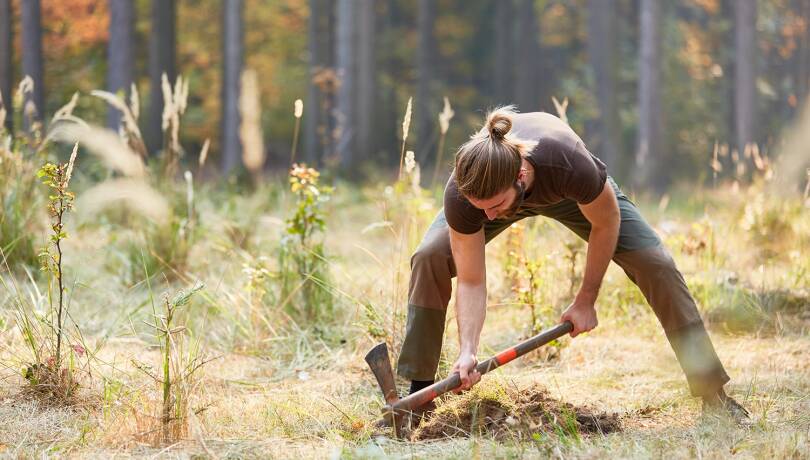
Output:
x,y
452,382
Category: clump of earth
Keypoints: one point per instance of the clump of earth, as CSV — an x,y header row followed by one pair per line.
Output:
x,y
509,412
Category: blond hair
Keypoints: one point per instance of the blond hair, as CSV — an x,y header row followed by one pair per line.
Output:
x,y
489,162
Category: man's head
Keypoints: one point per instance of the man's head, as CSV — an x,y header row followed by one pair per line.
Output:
x,y
488,166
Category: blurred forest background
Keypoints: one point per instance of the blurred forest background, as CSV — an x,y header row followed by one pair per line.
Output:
x,y
654,87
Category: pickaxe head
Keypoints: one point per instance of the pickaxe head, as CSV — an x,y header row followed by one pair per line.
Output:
x,y
380,365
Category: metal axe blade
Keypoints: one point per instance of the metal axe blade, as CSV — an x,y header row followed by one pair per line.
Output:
x,y
380,365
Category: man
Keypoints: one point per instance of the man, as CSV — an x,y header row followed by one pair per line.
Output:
x,y
524,165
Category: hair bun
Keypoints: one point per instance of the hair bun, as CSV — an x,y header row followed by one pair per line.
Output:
x,y
499,125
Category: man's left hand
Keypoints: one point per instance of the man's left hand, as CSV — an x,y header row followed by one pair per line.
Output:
x,y
582,314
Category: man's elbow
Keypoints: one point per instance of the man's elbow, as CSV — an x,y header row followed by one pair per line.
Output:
x,y
609,222
472,282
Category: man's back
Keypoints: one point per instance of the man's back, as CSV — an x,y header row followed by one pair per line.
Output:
x,y
534,126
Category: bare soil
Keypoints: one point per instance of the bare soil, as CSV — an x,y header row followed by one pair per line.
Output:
x,y
514,413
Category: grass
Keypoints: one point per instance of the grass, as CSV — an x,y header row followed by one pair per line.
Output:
x,y
282,388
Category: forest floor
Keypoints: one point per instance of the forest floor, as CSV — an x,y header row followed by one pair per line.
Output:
x,y
274,388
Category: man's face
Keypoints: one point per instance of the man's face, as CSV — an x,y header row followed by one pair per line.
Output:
x,y
502,205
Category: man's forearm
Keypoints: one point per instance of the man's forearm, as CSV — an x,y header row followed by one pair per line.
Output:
x,y
471,310
601,246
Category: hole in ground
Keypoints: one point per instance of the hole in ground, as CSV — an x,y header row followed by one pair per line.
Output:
x,y
507,412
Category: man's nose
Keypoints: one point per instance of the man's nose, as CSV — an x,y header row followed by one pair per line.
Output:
x,y
491,214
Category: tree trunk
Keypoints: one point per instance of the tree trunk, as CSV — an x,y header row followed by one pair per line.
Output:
x,y
162,42
30,13
426,101
503,73
745,17
527,90
346,56
650,151
366,82
803,61
603,58
120,57
317,127
6,60
232,58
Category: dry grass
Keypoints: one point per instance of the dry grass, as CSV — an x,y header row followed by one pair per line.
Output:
x,y
252,413
283,389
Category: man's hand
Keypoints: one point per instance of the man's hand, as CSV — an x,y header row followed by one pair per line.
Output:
x,y
581,313
465,366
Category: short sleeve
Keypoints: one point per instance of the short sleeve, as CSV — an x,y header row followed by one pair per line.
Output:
x,y
461,215
586,178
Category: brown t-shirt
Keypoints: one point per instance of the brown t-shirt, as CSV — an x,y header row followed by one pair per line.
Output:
x,y
563,170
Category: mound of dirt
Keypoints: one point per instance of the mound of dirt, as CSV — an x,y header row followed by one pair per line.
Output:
x,y
506,412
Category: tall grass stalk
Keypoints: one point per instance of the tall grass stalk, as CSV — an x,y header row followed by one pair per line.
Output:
x,y
174,106
129,120
406,125
203,156
561,108
299,111
444,125
715,164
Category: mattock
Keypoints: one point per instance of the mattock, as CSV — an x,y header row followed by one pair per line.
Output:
x,y
396,410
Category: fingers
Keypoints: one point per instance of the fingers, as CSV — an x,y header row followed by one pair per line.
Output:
x,y
468,375
464,375
475,377
582,329
466,383
576,329
566,316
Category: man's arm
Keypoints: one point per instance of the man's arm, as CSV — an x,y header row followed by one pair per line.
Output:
x,y
471,301
605,218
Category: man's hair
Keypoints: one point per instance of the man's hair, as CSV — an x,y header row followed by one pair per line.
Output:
x,y
489,162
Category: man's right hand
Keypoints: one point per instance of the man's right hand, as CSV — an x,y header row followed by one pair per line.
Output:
x,y
465,366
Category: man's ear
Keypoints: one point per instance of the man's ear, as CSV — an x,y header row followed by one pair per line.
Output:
x,y
522,174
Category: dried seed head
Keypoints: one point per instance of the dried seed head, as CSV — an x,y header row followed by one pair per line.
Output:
x,y
70,163
129,117
760,162
406,122
182,96
204,152
299,108
67,109
30,109
445,116
133,193
562,108
168,108
189,190
26,86
105,144
134,104
410,161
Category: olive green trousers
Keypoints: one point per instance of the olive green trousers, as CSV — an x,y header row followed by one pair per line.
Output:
x,y
639,253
